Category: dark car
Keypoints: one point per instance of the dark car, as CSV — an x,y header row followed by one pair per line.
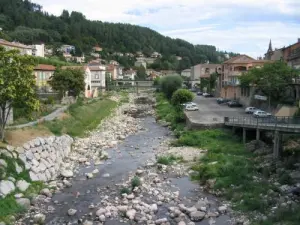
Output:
x,y
223,100
234,104
199,93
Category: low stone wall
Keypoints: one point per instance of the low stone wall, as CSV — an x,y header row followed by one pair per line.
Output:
x,y
196,125
43,156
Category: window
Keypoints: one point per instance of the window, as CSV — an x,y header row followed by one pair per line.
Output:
x,y
96,76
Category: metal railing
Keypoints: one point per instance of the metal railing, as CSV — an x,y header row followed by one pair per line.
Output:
x,y
272,122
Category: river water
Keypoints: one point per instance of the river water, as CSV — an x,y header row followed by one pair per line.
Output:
x,y
133,153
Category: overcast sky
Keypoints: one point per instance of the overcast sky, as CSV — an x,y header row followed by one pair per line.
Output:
x,y
243,26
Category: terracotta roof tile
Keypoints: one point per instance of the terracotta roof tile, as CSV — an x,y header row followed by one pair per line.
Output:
x,y
45,67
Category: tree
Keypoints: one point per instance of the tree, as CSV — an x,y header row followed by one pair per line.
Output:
x,y
169,84
182,96
68,79
141,73
17,85
272,79
213,81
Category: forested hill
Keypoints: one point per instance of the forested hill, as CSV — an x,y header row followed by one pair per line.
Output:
x,y
24,21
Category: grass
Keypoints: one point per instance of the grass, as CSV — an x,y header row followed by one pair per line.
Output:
x,y
231,165
135,182
168,159
82,117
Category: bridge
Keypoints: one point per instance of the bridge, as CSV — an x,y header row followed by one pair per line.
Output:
x,y
279,125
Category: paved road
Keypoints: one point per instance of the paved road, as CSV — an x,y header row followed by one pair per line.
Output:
x,y
210,112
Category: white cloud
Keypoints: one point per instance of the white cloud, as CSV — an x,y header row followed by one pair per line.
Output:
x,y
190,19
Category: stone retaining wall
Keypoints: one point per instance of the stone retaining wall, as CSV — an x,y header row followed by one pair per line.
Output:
x,y
43,156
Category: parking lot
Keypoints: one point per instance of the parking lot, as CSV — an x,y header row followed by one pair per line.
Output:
x,y
210,112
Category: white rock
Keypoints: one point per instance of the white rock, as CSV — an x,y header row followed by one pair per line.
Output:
x,y
222,209
106,175
66,173
33,176
6,187
100,212
67,183
181,223
130,214
23,202
72,212
46,192
95,171
197,216
3,163
160,221
89,175
102,218
130,197
22,185
122,208
39,218
153,207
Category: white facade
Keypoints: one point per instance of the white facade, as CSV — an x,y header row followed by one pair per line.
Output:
x,y
38,50
24,49
186,73
97,77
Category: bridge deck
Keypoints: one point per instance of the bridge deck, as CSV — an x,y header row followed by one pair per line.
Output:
x,y
284,124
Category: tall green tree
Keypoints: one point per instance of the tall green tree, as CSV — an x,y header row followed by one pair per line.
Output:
x,y
17,85
141,73
272,79
169,84
68,80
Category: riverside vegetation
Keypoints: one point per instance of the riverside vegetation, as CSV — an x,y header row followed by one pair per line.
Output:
x,y
230,171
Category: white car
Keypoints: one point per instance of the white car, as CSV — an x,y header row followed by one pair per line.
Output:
x,y
205,94
191,108
250,110
189,103
261,114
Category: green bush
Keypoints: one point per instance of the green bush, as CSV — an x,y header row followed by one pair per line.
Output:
x,y
182,96
135,182
169,84
125,190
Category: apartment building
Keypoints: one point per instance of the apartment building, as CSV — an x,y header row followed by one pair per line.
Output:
x,y
24,49
203,71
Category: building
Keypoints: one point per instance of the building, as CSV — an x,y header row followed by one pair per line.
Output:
x,y
43,73
78,59
113,62
140,63
155,55
97,48
67,49
24,49
139,54
178,58
277,54
98,77
291,55
186,73
112,69
149,60
129,75
88,92
129,54
38,50
232,69
203,71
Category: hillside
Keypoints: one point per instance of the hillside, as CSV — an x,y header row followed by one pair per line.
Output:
x,y
26,22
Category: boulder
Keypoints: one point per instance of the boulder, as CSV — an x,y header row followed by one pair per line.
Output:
x,y
197,216
72,212
6,187
66,173
131,214
22,185
3,163
23,202
39,218
160,221
100,212
222,209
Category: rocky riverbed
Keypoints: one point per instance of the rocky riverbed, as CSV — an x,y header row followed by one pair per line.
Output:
x,y
111,177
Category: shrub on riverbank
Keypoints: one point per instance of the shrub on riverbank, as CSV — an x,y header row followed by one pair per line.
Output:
x,y
82,117
182,96
169,84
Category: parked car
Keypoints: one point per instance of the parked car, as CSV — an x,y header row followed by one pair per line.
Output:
x,y
261,114
191,108
250,110
222,100
199,93
234,104
189,103
207,95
